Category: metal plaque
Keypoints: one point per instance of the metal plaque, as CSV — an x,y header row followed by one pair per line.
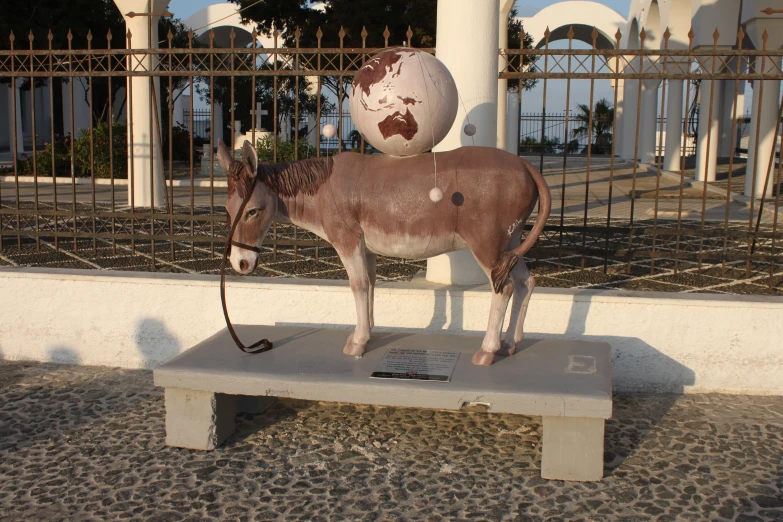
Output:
x,y
416,365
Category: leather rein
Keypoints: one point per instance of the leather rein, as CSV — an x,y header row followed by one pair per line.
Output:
x,y
263,345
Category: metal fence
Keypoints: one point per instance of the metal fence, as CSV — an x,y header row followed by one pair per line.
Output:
x,y
559,132
201,119
651,207
629,216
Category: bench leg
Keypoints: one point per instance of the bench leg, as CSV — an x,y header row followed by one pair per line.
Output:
x,y
252,404
573,448
198,419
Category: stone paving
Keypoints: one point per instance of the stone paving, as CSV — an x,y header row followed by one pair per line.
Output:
x,y
87,443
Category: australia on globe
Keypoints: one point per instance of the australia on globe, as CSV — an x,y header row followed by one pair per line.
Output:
x,y
404,101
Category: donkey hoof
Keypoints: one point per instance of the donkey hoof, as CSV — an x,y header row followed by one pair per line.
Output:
x,y
482,358
507,349
352,348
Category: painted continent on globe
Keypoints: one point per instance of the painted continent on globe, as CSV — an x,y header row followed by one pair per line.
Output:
x,y
404,101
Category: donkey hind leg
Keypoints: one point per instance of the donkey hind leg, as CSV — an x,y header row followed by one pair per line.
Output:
x,y
497,312
356,265
371,261
524,283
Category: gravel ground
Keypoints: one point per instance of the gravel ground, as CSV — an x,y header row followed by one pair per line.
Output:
x,y
87,443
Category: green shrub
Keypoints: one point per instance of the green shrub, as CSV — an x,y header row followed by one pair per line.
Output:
x,y
43,159
530,145
102,147
285,150
180,143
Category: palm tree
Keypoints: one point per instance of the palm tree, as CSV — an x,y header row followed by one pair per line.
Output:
x,y
603,117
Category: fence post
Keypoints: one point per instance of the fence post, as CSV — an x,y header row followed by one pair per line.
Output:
x,y
467,35
141,20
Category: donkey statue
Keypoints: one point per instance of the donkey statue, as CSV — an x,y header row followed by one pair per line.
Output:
x,y
370,205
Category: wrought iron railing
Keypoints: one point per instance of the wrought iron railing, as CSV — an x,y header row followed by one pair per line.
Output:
x,y
632,215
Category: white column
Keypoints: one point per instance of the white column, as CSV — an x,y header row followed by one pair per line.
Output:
x,y
5,124
727,113
473,63
765,115
709,129
181,101
512,122
628,124
648,144
42,113
619,109
502,140
145,164
81,109
15,120
216,132
729,101
312,130
674,135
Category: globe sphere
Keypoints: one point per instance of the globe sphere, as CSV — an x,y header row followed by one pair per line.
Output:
x,y
329,130
403,101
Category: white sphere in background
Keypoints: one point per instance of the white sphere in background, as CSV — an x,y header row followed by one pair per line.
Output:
x,y
470,129
436,194
404,101
329,130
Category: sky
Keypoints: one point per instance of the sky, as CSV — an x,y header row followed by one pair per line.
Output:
x,y
531,7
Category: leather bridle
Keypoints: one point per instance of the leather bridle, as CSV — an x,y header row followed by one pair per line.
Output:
x,y
267,345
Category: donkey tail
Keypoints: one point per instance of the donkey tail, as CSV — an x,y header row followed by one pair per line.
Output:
x,y
507,261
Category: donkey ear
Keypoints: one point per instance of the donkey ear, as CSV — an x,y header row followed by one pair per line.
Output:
x,y
224,157
249,156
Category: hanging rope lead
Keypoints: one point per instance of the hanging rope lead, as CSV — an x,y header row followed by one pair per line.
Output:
x,y
229,241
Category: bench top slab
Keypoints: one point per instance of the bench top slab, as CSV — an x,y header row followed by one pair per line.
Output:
x,y
547,377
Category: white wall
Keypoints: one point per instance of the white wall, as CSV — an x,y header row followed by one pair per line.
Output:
x,y
661,342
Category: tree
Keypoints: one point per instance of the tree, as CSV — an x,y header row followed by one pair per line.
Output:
x,y
351,15
603,119
355,15
78,16
70,23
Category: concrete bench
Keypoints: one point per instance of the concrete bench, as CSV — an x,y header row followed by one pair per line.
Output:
x,y
568,383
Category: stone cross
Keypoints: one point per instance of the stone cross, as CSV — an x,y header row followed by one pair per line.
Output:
x,y
259,113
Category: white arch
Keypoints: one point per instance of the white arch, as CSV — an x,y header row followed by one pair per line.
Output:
x,y
562,15
225,15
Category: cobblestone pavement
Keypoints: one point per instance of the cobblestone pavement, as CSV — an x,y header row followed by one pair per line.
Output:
x,y
87,443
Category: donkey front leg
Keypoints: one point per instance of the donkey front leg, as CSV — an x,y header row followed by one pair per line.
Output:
x,y
356,265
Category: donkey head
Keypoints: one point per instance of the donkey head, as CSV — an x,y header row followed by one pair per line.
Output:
x,y
258,212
